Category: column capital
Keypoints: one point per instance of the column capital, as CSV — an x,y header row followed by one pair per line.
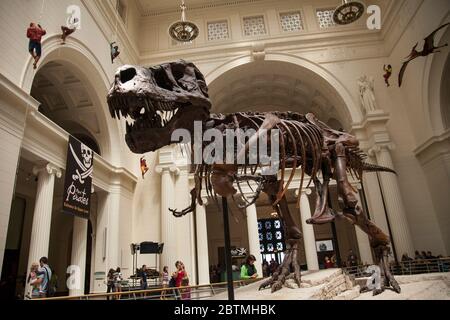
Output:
x,y
205,201
50,168
175,170
168,168
305,191
377,148
356,185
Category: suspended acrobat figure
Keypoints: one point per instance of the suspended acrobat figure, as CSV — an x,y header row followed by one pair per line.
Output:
x,y
144,167
35,33
72,25
428,48
388,74
114,51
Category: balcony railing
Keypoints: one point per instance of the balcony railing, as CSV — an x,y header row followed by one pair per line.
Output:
x,y
180,293
405,268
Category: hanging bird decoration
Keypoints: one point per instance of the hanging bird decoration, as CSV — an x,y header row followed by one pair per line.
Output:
x,y
144,167
428,48
388,74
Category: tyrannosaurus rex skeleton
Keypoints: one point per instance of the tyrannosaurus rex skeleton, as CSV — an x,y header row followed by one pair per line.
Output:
x,y
174,96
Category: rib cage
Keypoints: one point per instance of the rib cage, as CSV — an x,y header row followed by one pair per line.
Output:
x,y
302,145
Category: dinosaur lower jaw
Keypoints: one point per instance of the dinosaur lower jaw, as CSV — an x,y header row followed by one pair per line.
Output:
x,y
143,137
148,140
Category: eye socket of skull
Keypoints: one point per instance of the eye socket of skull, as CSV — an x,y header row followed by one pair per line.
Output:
x,y
162,79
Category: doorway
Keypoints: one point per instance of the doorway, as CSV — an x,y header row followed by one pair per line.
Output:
x,y
11,281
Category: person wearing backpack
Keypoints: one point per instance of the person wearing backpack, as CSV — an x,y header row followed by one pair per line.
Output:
x,y
46,289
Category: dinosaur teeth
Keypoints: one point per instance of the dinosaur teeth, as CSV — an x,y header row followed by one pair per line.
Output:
x,y
111,110
147,106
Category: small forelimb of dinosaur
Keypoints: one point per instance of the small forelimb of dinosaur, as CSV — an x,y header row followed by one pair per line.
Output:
x,y
259,180
189,209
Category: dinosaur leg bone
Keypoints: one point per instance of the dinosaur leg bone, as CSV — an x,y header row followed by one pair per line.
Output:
x,y
379,241
293,236
323,213
345,190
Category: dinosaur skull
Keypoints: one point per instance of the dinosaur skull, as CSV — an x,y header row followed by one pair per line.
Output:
x,y
158,100
86,153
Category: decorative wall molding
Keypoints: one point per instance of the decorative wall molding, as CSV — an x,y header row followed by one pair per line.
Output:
x,y
153,13
46,141
15,104
433,148
325,47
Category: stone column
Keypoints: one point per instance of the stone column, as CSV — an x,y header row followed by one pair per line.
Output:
x,y
168,221
253,237
113,230
79,247
202,243
101,242
394,203
184,232
374,199
42,218
309,239
365,250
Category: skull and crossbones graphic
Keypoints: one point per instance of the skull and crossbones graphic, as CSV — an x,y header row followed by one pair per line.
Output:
x,y
85,164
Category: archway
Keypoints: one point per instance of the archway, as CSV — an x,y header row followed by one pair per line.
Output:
x,y
310,85
283,82
436,94
67,99
85,66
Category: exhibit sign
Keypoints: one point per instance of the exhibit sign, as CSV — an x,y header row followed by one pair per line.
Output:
x,y
78,180
324,246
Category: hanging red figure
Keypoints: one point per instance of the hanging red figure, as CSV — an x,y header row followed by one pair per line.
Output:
x,y
35,33
144,167
388,74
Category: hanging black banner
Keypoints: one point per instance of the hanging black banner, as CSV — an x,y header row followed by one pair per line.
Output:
x,y
78,182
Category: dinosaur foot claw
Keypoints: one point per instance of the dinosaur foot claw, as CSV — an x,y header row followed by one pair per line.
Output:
x,y
283,273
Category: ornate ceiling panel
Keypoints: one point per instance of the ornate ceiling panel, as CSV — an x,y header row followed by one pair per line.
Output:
x,y
64,97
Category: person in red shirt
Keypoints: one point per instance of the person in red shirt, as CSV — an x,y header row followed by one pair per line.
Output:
x,y
144,167
328,263
182,280
35,33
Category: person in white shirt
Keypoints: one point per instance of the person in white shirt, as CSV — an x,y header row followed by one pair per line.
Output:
x,y
72,25
118,282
